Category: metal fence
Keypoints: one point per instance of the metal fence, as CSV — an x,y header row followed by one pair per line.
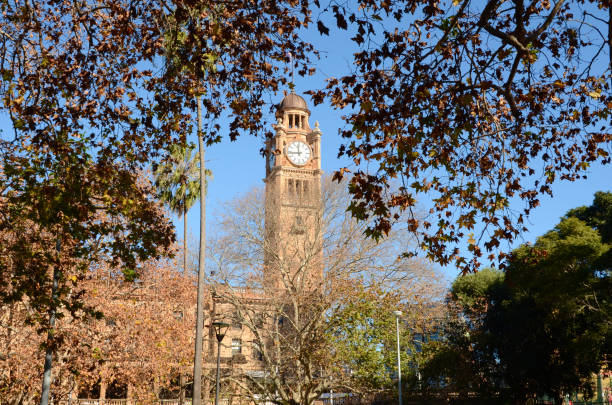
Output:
x,y
186,401
82,401
326,400
574,402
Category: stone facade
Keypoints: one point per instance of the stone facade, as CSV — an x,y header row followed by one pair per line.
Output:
x,y
293,230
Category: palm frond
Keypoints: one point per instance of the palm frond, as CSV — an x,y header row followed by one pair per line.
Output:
x,y
177,178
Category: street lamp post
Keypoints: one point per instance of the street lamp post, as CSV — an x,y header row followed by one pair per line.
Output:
x,y
220,330
399,365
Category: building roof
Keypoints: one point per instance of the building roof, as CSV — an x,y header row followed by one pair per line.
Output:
x,y
293,101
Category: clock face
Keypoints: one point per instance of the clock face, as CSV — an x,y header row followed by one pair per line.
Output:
x,y
298,153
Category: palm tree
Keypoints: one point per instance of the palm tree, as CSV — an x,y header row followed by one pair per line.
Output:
x,y
178,184
181,181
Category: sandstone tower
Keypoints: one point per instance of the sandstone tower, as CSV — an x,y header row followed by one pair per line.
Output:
x,y
293,196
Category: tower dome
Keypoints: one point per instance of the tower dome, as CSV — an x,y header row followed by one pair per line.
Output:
x,y
293,102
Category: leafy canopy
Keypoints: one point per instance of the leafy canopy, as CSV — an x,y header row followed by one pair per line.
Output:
x,y
465,106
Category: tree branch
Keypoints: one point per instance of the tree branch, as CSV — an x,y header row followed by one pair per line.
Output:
x,y
610,38
548,20
509,39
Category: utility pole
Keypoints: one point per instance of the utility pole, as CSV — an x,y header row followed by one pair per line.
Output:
x,y
197,358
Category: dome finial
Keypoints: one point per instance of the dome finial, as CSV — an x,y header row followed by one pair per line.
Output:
x,y
292,84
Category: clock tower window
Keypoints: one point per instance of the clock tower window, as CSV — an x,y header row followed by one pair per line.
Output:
x,y
289,186
297,188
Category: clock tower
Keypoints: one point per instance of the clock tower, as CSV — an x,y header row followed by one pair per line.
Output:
x,y
293,197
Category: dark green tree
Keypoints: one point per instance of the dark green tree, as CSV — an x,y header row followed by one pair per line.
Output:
x,y
549,342
463,360
598,215
542,327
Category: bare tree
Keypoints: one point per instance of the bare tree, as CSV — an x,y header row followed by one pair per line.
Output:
x,y
285,273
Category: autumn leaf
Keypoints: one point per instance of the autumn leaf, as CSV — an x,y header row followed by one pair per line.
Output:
x,y
322,28
340,21
596,94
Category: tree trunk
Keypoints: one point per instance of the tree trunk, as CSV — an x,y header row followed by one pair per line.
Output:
x,y
182,389
71,394
130,392
46,382
197,361
103,386
206,389
185,239
9,331
209,353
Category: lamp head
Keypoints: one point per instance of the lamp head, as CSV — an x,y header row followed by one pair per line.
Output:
x,y
220,330
397,313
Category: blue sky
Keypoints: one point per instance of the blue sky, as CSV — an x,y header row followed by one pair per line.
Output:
x,y
237,166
